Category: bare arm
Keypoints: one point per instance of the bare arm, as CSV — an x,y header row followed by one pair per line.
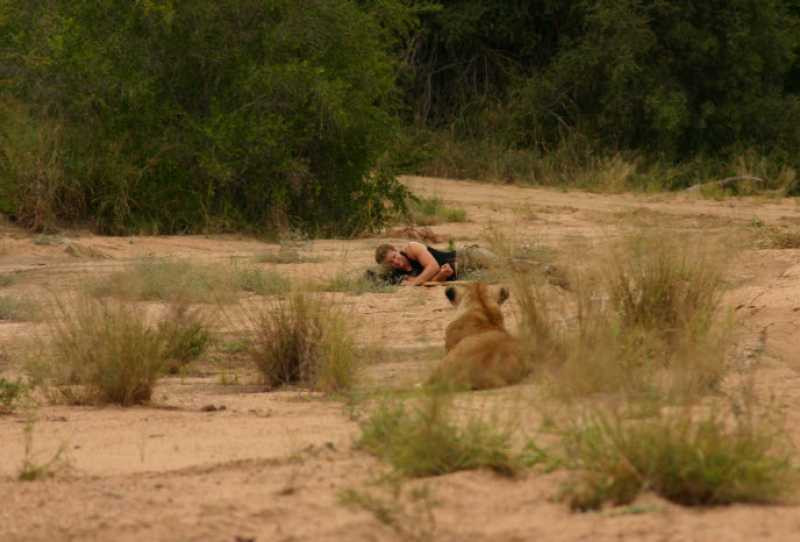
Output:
x,y
445,272
426,259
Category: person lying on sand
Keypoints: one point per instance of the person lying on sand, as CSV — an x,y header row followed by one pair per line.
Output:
x,y
415,264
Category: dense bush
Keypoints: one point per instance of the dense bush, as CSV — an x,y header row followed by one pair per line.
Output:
x,y
167,116
173,116
673,80
673,76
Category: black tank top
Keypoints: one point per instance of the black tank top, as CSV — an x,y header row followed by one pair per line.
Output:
x,y
441,256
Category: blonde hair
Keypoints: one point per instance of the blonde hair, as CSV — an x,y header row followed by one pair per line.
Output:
x,y
382,251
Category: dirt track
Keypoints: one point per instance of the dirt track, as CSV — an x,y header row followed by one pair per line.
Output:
x,y
270,465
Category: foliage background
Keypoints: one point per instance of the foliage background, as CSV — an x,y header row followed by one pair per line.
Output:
x,y
215,115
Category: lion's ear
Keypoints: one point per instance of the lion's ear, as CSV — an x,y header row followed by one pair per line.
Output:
x,y
502,295
452,294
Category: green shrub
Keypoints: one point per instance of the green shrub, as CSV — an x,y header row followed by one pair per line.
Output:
x,y
425,440
691,459
173,117
306,341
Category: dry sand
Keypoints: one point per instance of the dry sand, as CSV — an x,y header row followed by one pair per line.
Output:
x,y
271,465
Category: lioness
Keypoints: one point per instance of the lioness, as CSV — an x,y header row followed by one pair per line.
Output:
x,y
481,353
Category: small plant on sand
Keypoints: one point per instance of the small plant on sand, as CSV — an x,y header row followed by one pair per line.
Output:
x,y
406,511
257,281
426,440
236,345
686,457
15,309
355,284
187,282
11,393
285,255
776,237
430,211
185,333
103,352
304,340
32,470
166,280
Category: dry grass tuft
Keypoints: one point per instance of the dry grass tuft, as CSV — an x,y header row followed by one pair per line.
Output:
x,y
774,236
667,285
646,321
186,335
101,352
304,340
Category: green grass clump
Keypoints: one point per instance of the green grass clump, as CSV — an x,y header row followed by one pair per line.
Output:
x,y
257,281
688,459
283,256
11,393
15,309
103,352
235,346
166,280
186,282
6,280
426,441
305,341
355,284
431,211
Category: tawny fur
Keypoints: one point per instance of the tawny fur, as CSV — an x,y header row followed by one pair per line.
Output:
x,y
481,353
